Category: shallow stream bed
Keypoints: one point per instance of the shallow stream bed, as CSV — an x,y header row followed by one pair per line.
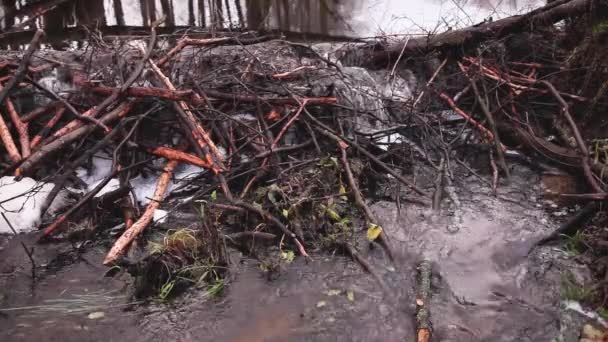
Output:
x,y
488,285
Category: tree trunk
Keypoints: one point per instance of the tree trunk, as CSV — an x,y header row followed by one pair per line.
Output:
x,y
218,15
382,56
9,8
191,17
90,12
201,13
118,11
167,7
228,14
239,12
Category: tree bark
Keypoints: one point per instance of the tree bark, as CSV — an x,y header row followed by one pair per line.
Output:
x,y
384,55
118,12
191,16
167,7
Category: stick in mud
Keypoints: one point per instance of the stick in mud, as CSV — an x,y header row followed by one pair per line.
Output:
x,y
423,296
28,251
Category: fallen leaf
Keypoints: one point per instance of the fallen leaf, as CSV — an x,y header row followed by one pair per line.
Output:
x,y
333,292
321,304
333,215
214,196
350,295
419,302
285,213
288,256
373,231
343,144
97,315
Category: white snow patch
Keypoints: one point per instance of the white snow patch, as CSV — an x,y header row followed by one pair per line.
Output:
x,y
386,140
21,202
160,216
142,187
102,166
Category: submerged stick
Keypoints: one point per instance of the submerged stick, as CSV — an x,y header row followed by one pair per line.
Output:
x,y
370,218
28,251
423,296
268,216
129,235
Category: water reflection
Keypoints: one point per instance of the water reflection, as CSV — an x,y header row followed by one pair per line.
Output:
x,y
352,17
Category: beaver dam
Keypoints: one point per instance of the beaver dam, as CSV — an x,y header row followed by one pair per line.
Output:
x,y
185,183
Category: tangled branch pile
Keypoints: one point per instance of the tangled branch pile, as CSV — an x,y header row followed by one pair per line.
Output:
x,y
287,141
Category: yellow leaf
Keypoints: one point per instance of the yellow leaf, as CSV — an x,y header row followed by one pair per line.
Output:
x,y
350,295
285,213
342,189
288,256
214,196
333,292
373,231
333,215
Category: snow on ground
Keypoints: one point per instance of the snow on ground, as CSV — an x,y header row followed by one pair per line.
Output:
x,y
143,188
21,202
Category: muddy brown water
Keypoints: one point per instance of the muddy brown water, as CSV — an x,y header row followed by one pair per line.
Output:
x,y
487,285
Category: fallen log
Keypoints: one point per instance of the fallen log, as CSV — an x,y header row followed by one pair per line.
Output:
x,y
380,56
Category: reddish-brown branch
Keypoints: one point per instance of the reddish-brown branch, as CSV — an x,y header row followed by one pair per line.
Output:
x,y
96,111
186,41
46,150
46,130
38,112
467,117
288,74
166,94
182,157
274,144
20,126
281,101
8,142
131,233
198,133
500,76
